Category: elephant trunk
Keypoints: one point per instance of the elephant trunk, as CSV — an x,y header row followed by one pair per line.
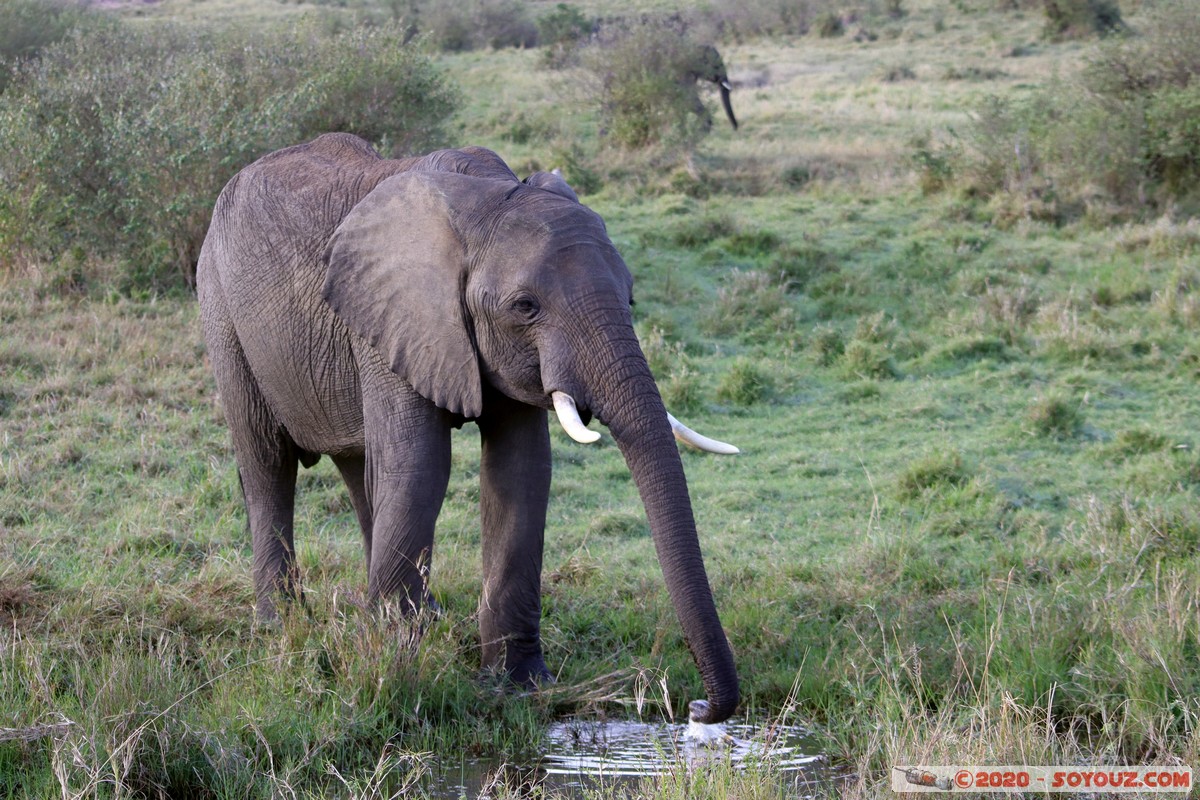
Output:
x,y
725,101
637,420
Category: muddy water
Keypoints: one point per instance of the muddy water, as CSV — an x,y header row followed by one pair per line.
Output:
x,y
578,755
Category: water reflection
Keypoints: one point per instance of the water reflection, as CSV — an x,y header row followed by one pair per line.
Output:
x,y
639,749
585,754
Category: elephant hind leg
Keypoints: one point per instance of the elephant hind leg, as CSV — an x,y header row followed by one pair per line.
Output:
x,y
269,488
353,470
267,458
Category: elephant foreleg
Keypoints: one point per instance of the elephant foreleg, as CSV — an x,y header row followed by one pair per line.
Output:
x,y
407,472
514,492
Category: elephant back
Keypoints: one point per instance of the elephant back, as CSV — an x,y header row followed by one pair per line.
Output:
x,y
476,161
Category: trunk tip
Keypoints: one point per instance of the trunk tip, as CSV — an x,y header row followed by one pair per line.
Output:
x,y
710,712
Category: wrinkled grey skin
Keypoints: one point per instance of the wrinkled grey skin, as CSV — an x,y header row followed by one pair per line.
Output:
x,y
707,65
362,308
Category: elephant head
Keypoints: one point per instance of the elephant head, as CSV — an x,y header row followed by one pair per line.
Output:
x,y
470,286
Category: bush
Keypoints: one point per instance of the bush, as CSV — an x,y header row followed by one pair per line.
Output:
x,y
678,379
751,19
745,384
683,390
1068,19
1173,137
864,360
577,168
645,77
560,31
933,473
1123,134
935,165
368,82
476,24
749,299
118,140
830,26
827,346
28,26
1055,416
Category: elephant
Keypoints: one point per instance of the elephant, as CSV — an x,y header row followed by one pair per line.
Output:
x,y
706,64
362,308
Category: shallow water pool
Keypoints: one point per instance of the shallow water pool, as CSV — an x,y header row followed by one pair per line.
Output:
x,y
585,754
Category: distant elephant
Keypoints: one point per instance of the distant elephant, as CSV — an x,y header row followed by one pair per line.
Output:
x,y
707,65
362,308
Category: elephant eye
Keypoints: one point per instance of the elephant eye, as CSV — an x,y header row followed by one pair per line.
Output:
x,y
525,307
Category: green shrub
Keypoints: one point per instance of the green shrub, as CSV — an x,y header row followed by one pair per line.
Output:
x,y
752,243
746,301
829,25
759,18
560,31
577,168
565,23
1055,416
28,26
1139,441
683,389
1173,137
1006,312
897,73
827,346
696,232
366,81
859,392
678,379
1004,145
800,264
661,355
643,75
745,384
476,24
932,473
865,360
796,176
935,167
1123,134
119,139
877,328
868,355
1067,19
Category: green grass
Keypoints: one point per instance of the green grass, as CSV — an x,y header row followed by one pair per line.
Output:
x,y
963,527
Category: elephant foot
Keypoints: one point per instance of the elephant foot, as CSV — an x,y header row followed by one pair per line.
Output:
x,y
434,606
530,673
271,612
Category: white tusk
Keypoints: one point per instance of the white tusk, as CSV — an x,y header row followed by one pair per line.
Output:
x,y
568,417
688,436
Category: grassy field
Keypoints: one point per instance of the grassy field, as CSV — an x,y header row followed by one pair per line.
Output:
x,y
963,529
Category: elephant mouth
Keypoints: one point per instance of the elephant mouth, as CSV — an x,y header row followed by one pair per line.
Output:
x,y
574,423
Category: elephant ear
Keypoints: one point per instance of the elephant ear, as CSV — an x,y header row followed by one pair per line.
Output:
x,y
396,269
552,182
